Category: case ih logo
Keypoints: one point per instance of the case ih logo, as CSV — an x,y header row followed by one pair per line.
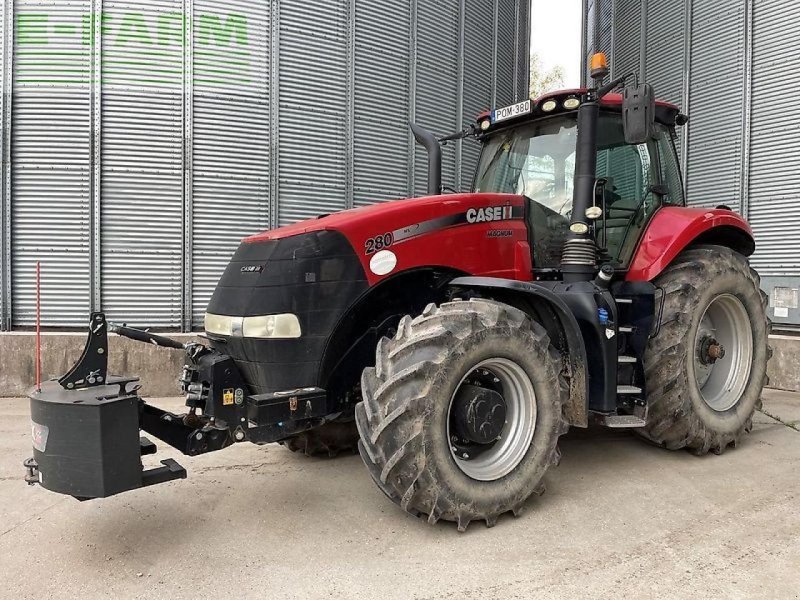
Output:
x,y
252,269
39,434
490,214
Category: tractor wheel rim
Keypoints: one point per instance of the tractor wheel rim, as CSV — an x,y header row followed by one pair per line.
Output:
x,y
515,440
726,325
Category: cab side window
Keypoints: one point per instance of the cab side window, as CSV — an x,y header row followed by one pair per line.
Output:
x,y
670,167
629,203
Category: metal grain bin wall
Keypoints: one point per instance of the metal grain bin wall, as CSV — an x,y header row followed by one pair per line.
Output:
x,y
145,138
772,161
728,65
229,123
48,213
141,163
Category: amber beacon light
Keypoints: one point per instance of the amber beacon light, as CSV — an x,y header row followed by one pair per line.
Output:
x,y
599,65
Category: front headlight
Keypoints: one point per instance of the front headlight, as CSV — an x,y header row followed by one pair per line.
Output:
x,y
277,327
219,325
272,327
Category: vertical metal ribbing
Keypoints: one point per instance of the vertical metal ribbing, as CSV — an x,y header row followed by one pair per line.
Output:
x,y
516,50
275,105
6,73
747,108
643,44
596,25
687,89
412,95
96,139
585,40
188,165
462,19
613,43
495,43
351,92
526,64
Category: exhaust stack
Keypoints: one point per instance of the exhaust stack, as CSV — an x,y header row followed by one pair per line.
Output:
x,y
427,140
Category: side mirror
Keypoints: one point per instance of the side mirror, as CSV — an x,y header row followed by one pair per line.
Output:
x,y
639,114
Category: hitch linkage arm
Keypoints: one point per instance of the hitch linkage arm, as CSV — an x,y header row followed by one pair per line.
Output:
x,y
145,336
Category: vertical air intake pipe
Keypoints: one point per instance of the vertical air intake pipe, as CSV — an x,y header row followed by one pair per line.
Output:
x,y
579,260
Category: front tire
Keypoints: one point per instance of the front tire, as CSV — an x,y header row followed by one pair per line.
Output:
x,y
329,440
706,368
406,421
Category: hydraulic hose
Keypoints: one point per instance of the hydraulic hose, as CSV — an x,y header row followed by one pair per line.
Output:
x,y
145,337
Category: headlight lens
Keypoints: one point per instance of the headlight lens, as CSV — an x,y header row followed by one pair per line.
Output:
x,y
218,324
272,327
549,106
285,326
572,103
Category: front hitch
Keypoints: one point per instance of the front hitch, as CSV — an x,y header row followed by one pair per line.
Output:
x,y
86,425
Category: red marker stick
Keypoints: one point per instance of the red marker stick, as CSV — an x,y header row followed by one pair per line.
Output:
x,y
39,326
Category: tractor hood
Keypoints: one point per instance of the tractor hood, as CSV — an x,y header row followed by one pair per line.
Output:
x,y
397,236
397,212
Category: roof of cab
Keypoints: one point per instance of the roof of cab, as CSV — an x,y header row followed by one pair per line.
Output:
x,y
666,112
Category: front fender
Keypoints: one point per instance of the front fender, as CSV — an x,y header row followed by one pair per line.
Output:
x,y
564,331
674,228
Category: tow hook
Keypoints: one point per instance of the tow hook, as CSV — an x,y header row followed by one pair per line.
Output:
x,y
32,475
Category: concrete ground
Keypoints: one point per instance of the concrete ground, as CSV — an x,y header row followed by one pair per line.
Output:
x,y
620,519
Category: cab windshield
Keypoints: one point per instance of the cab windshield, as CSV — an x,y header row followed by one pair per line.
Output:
x,y
537,160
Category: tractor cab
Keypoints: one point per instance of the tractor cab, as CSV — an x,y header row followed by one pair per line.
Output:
x,y
533,154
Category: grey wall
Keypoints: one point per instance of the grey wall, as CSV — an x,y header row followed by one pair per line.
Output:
x,y
729,65
142,139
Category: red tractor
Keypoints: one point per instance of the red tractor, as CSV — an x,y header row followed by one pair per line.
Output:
x,y
454,338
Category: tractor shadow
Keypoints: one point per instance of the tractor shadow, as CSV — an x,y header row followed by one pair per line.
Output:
x,y
276,494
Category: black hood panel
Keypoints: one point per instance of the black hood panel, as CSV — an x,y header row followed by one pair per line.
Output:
x,y
316,276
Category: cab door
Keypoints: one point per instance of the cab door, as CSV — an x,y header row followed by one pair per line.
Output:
x,y
636,180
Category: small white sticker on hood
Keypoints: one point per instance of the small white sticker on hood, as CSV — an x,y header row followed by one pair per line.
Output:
x,y
383,263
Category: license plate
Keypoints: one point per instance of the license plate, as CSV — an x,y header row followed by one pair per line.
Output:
x,y
509,112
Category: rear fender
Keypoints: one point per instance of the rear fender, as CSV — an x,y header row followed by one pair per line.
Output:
x,y
555,316
673,229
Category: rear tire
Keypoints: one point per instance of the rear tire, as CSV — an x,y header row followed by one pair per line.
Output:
x,y
695,402
405,418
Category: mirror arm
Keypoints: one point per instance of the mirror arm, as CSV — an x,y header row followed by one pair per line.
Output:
x,y
610,87
459,135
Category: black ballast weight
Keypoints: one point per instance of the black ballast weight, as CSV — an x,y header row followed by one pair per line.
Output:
x,y
87,444
85,429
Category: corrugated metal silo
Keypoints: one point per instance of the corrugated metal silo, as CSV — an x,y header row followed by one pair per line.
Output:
x,y
147,137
